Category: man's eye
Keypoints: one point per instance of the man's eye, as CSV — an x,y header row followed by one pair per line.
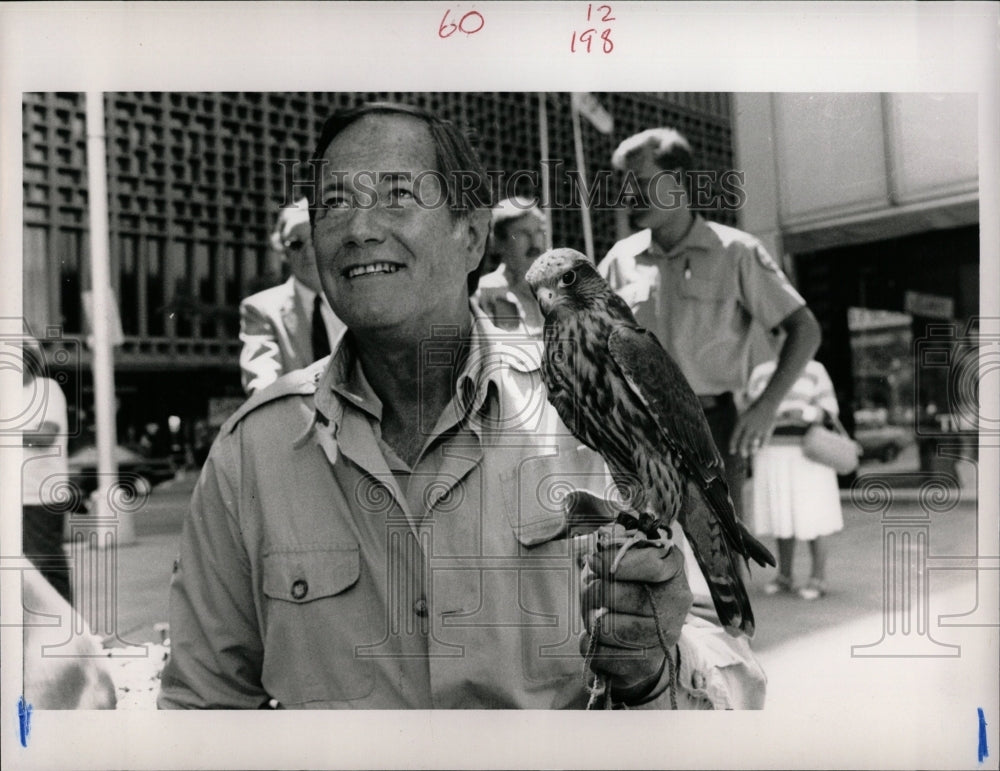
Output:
x,y
336,201
399,194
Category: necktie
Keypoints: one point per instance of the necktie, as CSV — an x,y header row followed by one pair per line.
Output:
x,y
320,340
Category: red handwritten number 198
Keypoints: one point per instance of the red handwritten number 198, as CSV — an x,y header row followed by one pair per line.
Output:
x,y
465,24
587,37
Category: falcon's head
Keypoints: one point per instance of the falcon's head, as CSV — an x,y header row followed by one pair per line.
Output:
x,y
564,277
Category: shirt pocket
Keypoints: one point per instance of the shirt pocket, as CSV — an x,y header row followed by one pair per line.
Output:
x,y
703,290
548,585
532,495
317,616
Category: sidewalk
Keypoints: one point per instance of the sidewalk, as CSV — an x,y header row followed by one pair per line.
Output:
x,y
142,570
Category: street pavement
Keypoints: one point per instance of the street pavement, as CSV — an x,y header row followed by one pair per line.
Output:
x,y
805,647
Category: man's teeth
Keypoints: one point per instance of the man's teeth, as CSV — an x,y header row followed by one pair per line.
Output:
x,y
375,267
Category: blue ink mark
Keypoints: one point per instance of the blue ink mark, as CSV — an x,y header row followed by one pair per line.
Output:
x,y
983,751
24,720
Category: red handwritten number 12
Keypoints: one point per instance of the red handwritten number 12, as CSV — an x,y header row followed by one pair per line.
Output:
x,y
607,12
466,25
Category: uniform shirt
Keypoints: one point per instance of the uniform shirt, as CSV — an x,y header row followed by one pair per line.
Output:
x,y
701,297
318,569
504,308
44,470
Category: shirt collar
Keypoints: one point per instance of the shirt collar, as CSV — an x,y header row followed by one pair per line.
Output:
x,y
699,236
306,295
491,351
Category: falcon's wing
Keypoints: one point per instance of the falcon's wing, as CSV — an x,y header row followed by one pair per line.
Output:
x,y
659,383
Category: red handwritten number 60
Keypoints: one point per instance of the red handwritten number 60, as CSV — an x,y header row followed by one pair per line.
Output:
x,y
461,26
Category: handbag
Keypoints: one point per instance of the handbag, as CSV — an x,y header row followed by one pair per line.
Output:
x,y
833,448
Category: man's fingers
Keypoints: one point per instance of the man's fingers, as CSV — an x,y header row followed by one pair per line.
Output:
x,y
625,666
622,630
620,596
649,564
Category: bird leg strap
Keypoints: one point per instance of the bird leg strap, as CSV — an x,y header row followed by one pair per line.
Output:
x,y
643,530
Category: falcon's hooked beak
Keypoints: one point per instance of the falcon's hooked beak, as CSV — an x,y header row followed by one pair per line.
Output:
x,y
546,297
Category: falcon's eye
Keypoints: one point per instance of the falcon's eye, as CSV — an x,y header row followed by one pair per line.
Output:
x,y
568,278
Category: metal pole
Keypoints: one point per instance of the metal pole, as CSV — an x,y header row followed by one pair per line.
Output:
x,y
543,142
588,236
103,362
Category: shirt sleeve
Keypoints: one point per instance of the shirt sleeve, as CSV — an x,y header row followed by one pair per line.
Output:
x,y
260,357
826,396
216,651
767,294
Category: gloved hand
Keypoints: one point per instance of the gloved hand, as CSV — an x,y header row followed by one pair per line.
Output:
x,y
634,610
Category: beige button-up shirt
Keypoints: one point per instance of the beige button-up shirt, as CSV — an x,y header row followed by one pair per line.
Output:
x,y
319,570
701,297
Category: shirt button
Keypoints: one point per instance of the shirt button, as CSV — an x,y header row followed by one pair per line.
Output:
x,y
420,607
697,681
300,589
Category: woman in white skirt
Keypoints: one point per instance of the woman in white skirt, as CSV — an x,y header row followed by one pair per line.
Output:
x,y
793,496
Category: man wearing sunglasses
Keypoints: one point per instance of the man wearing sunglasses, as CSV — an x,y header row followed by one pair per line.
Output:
x,y
291,325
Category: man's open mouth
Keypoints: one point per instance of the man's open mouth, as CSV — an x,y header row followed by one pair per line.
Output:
x,y
371,269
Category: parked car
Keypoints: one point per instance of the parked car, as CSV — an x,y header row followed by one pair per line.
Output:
x,y
133,467
883,442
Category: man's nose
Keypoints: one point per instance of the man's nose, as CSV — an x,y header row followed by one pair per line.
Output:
x,y
363,225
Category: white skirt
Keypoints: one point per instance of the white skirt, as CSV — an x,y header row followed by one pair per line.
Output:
x,y
793,497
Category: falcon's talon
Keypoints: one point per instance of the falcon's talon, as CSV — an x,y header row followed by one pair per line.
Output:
x,y
635,538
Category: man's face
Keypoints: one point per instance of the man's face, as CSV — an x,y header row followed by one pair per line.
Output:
x,y
390,254
662,200
522,241
298,245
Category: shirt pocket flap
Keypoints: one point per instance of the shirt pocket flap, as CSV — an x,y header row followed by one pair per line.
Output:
x,y
306,575
703,289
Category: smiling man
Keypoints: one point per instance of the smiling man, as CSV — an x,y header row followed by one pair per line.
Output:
x,y
402,525
503,294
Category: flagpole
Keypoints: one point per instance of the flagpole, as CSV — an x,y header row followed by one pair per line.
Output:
x,y
543,143
588,235
103,364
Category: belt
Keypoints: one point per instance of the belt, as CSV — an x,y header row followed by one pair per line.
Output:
x,y
790,430
717,401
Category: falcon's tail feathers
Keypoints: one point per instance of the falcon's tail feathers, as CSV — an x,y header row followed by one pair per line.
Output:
x,y
755,550
717,558
737,535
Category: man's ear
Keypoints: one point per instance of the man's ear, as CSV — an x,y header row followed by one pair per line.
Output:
x,y
476,231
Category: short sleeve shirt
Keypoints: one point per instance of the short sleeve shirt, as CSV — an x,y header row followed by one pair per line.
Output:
x,y
702,297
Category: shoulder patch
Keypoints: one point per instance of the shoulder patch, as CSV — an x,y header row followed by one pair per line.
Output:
x,y
766,260
301,382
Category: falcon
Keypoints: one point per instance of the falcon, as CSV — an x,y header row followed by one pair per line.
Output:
x,y
622,395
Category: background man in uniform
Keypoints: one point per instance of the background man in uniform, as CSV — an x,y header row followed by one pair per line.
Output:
x,y
390,528
291,325
699,286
